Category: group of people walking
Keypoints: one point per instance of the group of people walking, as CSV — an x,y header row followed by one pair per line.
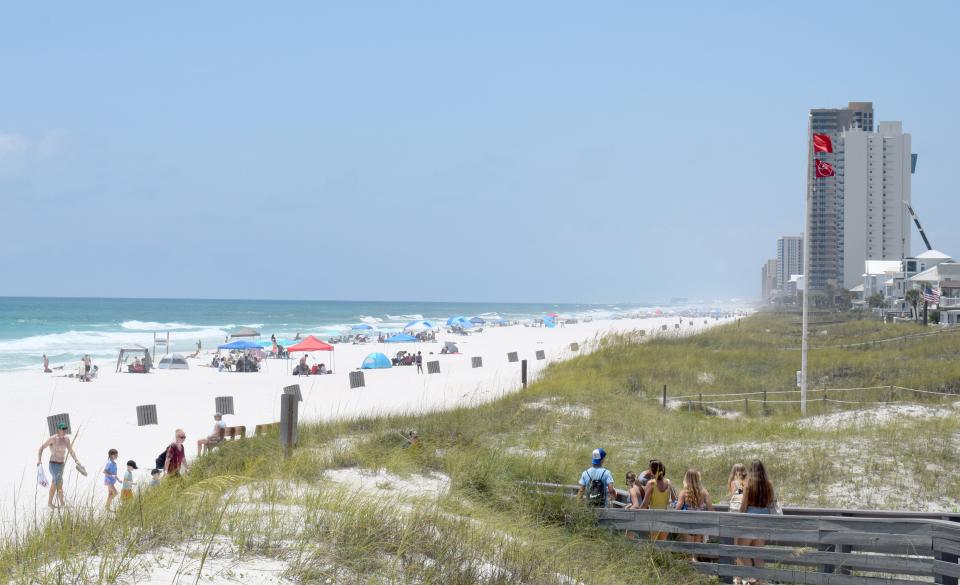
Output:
x,y
171,462
749,491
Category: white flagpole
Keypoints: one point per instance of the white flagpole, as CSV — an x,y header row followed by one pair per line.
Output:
x,y
804,339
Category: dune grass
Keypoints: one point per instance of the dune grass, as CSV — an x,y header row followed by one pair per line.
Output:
x,y
246,502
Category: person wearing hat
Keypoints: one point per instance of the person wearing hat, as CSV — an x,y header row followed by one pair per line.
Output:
x,y
60,447
215,437
126,490
597,481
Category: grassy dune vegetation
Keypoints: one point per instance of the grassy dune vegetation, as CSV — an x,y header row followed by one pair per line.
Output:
x,y
245,504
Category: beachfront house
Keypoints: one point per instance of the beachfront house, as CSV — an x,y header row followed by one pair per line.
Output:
x,y
898,283
944,276
876,274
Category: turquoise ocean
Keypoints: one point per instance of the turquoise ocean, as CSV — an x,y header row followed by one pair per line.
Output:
x,y
67,328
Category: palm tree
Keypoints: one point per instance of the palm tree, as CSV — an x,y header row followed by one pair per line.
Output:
x,y
913,299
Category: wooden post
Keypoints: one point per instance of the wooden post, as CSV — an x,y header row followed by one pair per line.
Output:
x,y
689,405
701,402
288,422
764,403
746,405
664,395
523,372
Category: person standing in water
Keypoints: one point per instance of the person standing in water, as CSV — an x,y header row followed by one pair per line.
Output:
x,y
60,447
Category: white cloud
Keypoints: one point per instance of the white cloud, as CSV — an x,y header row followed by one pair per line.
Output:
x,y
12,145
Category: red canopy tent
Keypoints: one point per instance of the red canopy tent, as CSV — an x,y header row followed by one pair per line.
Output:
x,y
311,343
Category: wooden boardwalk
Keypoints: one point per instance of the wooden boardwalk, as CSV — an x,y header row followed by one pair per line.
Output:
x,y
804,545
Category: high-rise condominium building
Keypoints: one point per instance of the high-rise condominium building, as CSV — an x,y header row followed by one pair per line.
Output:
x,y
825,220
789,259
873,181
768,279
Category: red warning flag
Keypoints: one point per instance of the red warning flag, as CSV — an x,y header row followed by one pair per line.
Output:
x,y
822,143
824,169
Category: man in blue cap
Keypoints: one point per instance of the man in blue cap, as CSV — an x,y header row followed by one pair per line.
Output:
x,y
596,482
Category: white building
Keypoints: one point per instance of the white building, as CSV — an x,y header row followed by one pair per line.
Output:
x,y
789,259
768,279
873,181
876,274
946,277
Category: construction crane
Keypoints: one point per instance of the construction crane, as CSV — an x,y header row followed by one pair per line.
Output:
x,y
919,227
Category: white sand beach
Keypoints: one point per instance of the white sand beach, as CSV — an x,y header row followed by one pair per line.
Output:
x,y
103,411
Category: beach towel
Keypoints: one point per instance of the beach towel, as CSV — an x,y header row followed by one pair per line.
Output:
x,y
42,476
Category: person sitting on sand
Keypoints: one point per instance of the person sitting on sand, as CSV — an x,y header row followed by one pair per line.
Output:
x,y
322,369
214,437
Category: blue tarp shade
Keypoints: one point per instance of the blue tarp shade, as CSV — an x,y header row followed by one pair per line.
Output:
x,y
362,327
454,320
376,361
478,320
399,338
549,321
240,345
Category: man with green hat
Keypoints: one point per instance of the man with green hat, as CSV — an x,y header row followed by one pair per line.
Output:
x,y
60,447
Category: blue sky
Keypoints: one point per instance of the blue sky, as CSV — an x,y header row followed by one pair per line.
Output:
x,y
534,151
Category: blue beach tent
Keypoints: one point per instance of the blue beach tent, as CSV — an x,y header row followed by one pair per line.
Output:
x,y
400,338
240,344
376,361
478,320
361,327
460,321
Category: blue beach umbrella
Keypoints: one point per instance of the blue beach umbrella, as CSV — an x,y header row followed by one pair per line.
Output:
x,y
240,345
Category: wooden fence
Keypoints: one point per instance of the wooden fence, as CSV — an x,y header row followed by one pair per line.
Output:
x,y
804,545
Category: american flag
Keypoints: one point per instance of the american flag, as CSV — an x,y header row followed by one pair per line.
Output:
x,y
931,295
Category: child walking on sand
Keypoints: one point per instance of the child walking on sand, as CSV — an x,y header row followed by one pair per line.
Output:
x,y
126,490
110,476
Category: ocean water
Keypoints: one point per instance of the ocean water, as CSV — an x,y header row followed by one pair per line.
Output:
x,y
66,329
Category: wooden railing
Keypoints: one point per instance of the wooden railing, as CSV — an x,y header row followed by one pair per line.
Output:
x,y
804,545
